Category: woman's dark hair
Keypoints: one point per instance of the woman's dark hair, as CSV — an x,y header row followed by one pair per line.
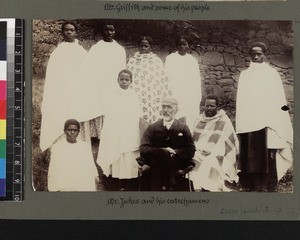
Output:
x,y
106,26
125,71
147,38
178,40
262,45
71,23
71,122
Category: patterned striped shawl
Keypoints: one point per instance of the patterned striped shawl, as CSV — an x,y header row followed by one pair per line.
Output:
x,y
216,137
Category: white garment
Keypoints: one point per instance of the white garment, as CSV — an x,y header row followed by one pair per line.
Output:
x,y
185,84
207,173
96,80
126,167
61,69
120,135
150,83
260,97
71,167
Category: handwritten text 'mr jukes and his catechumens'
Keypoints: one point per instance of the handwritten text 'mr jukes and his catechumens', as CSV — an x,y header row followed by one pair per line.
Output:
x,y
123,201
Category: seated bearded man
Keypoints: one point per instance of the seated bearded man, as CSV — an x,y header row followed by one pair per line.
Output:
x,y
167,148
216,149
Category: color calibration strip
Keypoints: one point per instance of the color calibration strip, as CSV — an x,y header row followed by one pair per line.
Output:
x,y
3,84
14,142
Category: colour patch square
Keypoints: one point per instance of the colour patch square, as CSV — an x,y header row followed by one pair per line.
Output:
x,y
2,89
2,129
2,109
2,148
2,168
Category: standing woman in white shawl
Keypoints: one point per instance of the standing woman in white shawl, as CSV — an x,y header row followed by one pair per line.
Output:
x,y
149,80
263,125
61,69
96,81
183,72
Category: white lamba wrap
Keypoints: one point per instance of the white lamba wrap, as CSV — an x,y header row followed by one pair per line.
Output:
x,y
96,80
149,82
260,98
121,136
185,83
61,70
71,167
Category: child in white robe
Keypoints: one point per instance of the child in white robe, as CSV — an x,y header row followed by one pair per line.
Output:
x,y
119,146
72,166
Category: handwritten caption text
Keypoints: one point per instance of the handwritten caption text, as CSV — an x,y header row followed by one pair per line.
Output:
x,y
139,7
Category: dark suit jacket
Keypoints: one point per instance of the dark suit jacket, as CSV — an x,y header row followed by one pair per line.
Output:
x,y
158,136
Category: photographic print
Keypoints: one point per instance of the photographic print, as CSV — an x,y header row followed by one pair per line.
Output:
x,y
162,105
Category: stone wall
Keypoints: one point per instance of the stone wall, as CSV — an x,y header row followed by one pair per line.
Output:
x,y
221,47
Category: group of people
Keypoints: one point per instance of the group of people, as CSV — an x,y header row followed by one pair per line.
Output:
x,y
146,114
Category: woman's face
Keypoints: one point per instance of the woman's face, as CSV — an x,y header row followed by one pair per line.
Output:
x,y
71,132
145,46
182,46
69,33
108,33
257,55
124,80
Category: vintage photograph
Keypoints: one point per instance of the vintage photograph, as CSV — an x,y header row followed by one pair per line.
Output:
x,y
162,105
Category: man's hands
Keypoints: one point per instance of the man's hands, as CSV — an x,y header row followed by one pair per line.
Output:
x,y
143,168
171,151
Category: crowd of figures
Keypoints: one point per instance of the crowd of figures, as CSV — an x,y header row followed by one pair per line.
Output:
x,y
146,115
